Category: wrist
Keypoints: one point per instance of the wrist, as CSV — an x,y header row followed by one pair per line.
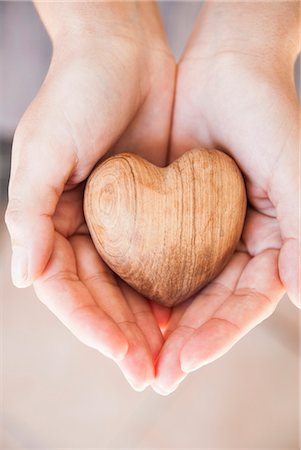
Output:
x,y
72,20
76,24
267,30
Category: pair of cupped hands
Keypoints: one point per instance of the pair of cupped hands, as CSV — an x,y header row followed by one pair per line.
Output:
x,y
113,86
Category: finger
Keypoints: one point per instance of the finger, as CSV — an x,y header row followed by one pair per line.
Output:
x,y
176,314
37,180
137,365
210,298
169,372
144,317
284,193
257,293
289,268
68,218
60,289
260,232
161,313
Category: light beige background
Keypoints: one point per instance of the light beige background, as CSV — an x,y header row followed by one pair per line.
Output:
x,y
56,393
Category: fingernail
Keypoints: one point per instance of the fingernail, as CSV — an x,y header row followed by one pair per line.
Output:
x,y
138,387
187,368
190,366
162,391
118,356
19,267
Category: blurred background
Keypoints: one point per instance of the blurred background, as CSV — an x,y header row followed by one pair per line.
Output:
x,y
56,393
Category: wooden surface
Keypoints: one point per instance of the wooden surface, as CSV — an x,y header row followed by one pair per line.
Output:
x,y
166,232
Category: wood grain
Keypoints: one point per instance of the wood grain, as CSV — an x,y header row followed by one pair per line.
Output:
x,y
166,231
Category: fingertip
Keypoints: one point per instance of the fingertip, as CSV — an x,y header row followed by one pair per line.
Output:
x,y
195,354
116,350
138,381
294,296
41,248
31,252
164,391
120,353
289,270
191,362
138,387
190,359
189,366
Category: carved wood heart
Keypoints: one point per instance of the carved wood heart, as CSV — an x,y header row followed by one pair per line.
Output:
x,y
166,231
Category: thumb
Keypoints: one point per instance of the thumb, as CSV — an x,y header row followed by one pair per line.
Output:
x,y
38,176
284,192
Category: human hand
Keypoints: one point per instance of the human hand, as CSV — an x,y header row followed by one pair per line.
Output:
x,y
235,92
109,87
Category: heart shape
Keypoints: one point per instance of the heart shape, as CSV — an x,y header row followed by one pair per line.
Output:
x,y
166,231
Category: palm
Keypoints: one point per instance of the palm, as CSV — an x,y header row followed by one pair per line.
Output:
x,y
219,110
245,293
79,288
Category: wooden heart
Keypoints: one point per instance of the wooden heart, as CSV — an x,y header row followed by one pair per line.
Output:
x,y
166,231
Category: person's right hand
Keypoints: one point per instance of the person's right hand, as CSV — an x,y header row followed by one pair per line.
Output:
x,y
109,88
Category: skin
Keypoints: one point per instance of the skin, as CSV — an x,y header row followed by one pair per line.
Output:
x,y
83,111
232,93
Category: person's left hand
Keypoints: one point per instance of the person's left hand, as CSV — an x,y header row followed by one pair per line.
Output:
x,y
229,96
